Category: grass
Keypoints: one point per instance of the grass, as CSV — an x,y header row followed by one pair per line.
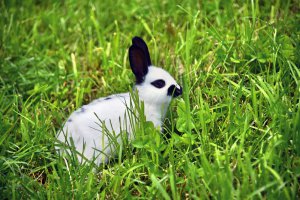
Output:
x,y
234,134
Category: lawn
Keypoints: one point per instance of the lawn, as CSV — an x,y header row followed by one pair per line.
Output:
x,y
233,134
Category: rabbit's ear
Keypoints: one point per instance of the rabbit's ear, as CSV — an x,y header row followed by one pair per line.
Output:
x,y
139,59
139,42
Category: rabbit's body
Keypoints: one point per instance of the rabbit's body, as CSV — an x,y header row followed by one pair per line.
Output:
x,y
85,126
155,88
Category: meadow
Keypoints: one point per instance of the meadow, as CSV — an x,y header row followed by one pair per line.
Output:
x,y
233,134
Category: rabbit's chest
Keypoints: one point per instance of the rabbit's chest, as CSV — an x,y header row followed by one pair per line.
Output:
x,y
153,113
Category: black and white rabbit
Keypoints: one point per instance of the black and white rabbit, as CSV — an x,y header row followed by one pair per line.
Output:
x,y
155,88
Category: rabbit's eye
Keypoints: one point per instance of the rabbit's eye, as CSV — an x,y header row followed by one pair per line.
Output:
x,y
158,83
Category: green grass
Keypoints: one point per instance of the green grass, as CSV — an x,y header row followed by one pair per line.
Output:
x,y
234,134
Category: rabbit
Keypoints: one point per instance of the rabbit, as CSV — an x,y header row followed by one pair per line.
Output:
x,y
154,86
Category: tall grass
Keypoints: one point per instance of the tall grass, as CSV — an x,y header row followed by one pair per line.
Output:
x,y
234,133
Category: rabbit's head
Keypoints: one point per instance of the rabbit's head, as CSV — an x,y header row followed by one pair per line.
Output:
x,y
154,85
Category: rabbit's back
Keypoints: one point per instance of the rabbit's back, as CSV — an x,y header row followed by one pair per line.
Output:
x,y
86,125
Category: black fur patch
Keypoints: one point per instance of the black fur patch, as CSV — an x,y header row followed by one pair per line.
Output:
x,y
158,83
174,91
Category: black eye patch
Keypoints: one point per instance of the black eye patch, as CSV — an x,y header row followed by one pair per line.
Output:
x,y
158,83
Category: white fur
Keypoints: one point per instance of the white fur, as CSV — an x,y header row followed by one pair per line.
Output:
x,y
85,128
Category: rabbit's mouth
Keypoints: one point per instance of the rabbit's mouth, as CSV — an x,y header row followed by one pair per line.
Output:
x,y
174,91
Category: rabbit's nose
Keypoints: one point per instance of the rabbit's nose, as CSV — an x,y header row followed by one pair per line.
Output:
x,y
174,91
178,92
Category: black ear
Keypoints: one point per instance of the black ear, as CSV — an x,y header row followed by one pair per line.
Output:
x,y
139,42
139,59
